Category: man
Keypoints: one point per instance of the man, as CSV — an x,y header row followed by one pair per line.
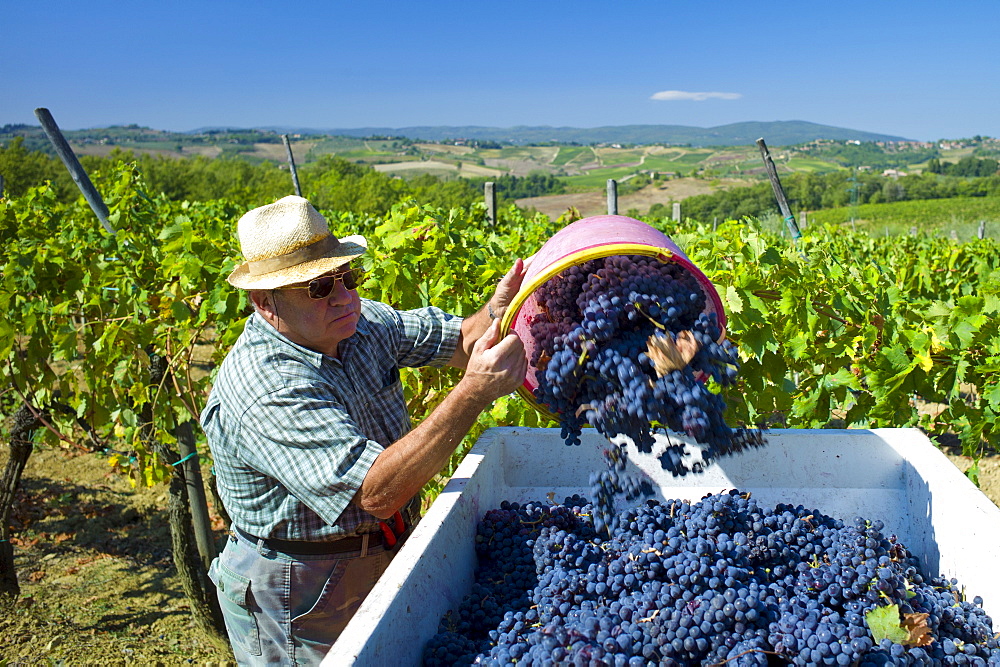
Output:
x,y
314,454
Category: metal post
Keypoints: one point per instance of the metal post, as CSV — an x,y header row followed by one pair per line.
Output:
x,y
68,158
981,233
677,211
612,197
490,195
291,165
715,223
779,193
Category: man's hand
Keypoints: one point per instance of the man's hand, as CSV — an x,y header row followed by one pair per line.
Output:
x,y
476,325
507,288
496,367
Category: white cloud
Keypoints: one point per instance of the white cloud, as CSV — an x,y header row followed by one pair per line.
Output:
x,y
672,95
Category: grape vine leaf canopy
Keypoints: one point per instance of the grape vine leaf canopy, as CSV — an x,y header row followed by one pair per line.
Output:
x,y
289,242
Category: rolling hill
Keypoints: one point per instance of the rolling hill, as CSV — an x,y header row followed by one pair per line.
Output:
x,y
777,133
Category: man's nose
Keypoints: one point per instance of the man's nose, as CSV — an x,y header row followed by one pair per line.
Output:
x,y
339,295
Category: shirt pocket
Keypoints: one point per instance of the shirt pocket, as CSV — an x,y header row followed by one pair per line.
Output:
x,y
391,378
386,408
235,600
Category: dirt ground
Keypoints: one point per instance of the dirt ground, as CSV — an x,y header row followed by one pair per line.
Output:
x,y
98,584
596,201
989,468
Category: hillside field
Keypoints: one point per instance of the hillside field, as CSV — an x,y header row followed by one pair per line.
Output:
x,y
595,201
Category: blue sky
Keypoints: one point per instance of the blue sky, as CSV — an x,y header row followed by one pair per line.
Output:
x,y
922,70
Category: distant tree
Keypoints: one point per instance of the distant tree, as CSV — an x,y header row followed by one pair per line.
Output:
x,y
23,169
338,185
534,184
454,193
659,210
967,167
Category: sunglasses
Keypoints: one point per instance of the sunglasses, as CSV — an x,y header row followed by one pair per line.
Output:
x,y
322,287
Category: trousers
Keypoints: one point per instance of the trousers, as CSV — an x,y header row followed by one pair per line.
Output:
x,y
290,609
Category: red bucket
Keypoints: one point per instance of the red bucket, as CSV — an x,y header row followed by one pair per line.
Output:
x,y
584,240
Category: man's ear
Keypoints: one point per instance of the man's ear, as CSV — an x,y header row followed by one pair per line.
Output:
x,y
263,303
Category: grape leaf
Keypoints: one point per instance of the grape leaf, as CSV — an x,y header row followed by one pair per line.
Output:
x,y
734,304
884,624
973,473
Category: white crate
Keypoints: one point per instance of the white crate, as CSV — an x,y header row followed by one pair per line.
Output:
x,y
896,475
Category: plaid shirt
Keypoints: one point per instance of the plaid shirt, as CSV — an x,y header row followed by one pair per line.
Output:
x,y
293,432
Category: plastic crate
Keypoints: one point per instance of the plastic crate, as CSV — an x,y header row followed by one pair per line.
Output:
x,y
896,475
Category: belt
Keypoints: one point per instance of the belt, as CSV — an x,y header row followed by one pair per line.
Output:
x,y
303,548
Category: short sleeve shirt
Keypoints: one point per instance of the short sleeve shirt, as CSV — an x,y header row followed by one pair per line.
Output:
x,y
293,432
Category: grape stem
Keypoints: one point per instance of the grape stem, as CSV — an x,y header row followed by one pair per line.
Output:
x,y
655,322
650,617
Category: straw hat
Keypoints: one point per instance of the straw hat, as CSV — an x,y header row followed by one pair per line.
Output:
x,y
289,242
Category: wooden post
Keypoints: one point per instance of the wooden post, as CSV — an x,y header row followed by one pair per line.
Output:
x,y
981,233
715,223
802,219
196,493
779,193
612,197
490,195
22,428
954,235
68,158
677,211
291,164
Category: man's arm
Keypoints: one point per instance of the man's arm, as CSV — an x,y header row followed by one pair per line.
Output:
x,y
475,325
494,369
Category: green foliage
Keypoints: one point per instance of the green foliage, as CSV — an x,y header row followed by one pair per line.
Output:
x,y
456,193
206,179
88,310
334,183
330,182
518,187
816,191
838,329
925,216
22,169
845,329
966,167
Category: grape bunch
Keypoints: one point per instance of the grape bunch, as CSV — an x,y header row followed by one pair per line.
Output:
x,y
623,343
722,580
607,486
